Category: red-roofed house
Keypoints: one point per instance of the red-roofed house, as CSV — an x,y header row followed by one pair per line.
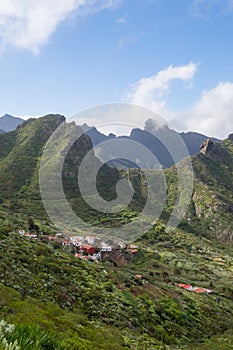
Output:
x,y
185,286
133,251
202,290
88,249
131,246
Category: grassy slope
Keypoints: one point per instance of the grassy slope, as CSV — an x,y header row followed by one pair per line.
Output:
x,y
143,314
151,311
211,208
20,154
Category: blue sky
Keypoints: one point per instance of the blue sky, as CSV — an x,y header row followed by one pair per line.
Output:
x,y
63,56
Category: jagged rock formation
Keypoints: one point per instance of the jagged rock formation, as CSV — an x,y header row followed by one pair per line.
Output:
x,y
210,214
212,200
206,146
151,138
230,137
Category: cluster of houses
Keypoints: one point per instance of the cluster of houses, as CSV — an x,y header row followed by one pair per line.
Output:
x,y
90,248
195,289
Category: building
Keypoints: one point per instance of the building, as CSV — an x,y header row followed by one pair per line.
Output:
x,y
88,249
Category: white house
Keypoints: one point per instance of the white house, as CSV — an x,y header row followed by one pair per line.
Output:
x,y
106,249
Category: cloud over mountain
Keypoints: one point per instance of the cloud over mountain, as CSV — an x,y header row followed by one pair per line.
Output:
x,y
211,114
151,91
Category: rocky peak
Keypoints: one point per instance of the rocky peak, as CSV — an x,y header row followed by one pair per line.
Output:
x,y
155,126
230,137
206,146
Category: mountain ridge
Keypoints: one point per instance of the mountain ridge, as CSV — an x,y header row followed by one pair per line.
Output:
x,y
140,303
149,137
21,150
9,123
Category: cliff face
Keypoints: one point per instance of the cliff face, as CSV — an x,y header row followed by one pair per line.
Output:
x,y
211,209
206,146
213,192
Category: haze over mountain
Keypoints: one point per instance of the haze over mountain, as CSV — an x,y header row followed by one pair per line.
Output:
x,y
9,123
151,137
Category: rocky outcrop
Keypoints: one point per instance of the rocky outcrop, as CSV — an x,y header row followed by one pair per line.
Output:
x,y
206,146
230,137
151,138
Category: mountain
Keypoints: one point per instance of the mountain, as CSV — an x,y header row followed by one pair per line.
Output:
x,y
135,301
151,138
194,141
21,150
9,123
211,208
20,153
213,193
95,135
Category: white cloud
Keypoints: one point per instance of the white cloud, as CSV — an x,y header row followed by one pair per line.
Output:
x,y
150,92
122,19
28,24
212,114
128,39
210,9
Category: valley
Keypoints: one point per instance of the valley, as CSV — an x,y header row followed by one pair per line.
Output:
x,y
132,299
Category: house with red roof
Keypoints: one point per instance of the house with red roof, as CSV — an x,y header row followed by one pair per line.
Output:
x,y
88,249
194,289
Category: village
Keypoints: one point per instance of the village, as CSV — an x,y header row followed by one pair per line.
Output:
x,y
89,248
95,249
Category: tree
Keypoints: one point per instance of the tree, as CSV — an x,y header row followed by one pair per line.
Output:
x,y
32,226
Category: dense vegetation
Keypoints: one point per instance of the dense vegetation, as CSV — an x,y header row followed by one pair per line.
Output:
x,y
51,289
51,300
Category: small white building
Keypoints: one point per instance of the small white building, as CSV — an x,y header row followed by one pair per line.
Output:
x,y
120,244
106,249
90,239
77,240
59,234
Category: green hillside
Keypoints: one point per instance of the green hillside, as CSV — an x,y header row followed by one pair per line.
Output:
x,y
54,290
57,301
20,154
210,213
211,208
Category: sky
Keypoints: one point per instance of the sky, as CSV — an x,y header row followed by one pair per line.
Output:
x,y
174,57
